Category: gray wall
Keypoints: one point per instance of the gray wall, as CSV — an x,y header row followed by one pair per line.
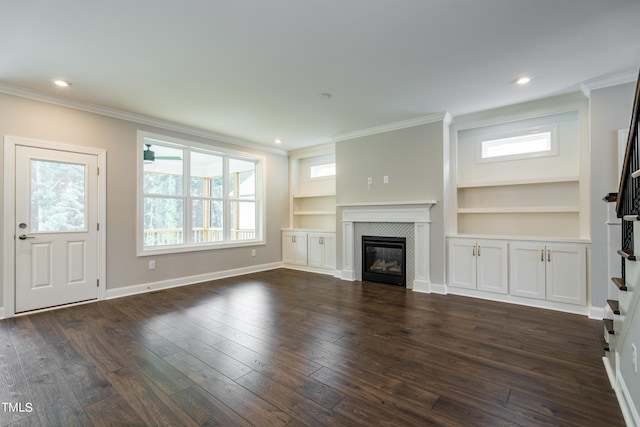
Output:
x,y
413,158
610,110
39,120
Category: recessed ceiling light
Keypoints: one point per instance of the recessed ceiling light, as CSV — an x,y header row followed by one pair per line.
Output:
x,y
61,83
523,80
278,141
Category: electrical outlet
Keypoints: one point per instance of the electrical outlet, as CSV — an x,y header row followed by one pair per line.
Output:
x,y
253,252
152,264
634,358
385,179
369,180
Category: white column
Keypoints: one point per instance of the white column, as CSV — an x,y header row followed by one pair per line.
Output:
x,y
422,279
348,260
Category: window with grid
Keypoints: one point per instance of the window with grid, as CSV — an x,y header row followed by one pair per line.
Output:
x,y
194,197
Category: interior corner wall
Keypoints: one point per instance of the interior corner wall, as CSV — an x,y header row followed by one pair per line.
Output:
x,y
412,158
610,110
38,120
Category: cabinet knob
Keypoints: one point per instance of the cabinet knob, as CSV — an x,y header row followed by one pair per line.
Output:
x,y
473,252
478,250
542,255
548,255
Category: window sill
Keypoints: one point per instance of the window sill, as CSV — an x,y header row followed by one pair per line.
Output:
x,y
197,248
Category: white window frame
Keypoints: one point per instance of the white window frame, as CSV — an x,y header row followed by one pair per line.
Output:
x,y
319,178
553,151
188,147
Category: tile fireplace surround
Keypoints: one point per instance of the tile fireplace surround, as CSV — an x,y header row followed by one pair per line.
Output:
x,y
415,214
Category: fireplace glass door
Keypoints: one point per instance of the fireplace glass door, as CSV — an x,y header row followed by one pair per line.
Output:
x,y
384,260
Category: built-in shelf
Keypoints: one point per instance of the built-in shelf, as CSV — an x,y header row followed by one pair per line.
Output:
x,y
519,182
523,209
313,201
548,207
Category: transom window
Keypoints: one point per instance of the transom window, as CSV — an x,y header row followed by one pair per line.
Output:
x,y
195,197
520,146
323,171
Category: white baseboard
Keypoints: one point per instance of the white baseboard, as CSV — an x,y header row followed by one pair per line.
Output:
x,y
610,371
427,287
530,302
189,280
627,405
311,269
348,275
439,289
596,313
422,286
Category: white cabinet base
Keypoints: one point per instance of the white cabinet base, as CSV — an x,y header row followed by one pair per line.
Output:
x,y
478,264
545,274
309,251
511,299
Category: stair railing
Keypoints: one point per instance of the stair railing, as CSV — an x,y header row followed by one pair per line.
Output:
x,y
628,202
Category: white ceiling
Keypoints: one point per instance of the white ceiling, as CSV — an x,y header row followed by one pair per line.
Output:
x,y
253,69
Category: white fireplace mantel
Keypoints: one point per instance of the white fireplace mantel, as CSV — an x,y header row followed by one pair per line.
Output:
x,y
417,213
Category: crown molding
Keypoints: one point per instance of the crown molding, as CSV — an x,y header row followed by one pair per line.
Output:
x,y
314,150
132,117
575,101
609,80
431,118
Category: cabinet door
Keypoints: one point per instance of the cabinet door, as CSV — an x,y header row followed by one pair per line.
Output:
x,y
288,249
527,269
462,263
329,251
300,248
322,251
491,266
315,250
566,273
294,248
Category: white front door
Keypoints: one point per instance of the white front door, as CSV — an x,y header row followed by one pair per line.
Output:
x,y
56,221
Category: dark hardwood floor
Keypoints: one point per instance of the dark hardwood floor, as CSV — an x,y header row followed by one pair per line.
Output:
x,y
290,348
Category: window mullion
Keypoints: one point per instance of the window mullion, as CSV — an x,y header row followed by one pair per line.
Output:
x,y
187,204
207,205
226,202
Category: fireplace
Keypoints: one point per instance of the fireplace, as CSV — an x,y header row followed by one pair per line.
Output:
x,y
384,260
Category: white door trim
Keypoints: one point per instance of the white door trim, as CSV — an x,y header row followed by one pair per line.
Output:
x,y
8,260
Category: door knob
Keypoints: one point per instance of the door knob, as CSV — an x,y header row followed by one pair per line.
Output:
x,y
25,237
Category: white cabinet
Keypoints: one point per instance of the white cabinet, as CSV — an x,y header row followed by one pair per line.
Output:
x,y
478,264
551,271
322,250
309,250
294,247
527,274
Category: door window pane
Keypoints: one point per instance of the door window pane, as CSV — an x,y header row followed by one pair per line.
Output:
x,y
58,196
